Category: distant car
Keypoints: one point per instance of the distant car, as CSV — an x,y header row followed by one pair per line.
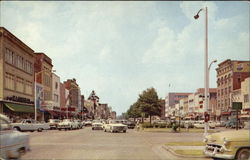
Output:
x,y
115,126
211,124
53,123
66,124
88,123
97,125
229,145
13,144
131,125
78,124
199,124
233,124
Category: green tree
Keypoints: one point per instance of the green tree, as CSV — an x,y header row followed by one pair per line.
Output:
x,y
149,103
133,111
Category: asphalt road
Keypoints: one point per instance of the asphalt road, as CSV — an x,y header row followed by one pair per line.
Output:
x,y
98,145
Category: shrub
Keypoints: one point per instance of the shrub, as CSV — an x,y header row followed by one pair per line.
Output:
x,y
147,125
163,125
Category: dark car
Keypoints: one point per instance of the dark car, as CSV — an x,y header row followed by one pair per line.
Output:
x,y
131,125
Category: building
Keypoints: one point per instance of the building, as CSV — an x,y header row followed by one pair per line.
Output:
x,y
16,77
113,115
43,75
73,88
230,74
56,96
172,99
245,93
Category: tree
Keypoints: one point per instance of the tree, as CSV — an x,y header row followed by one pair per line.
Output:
x,y
149,103
133,111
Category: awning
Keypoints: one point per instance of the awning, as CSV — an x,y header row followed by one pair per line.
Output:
x,y
20,108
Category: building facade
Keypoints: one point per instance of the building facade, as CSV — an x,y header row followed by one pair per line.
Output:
x,y
56,95
73,88
230,74
245,91
171,99
43,75
16,77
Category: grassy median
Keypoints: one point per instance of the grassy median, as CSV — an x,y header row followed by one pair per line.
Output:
x,y
195,143
183,130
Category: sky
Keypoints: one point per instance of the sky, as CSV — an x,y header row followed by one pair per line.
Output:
x,y
121,48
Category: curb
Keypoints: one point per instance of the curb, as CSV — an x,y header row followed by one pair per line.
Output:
x,y
179,155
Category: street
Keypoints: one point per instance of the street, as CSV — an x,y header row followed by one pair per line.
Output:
x,y
90,145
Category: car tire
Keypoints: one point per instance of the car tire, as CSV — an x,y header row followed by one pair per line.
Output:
x,y
39,130
17,128
105,130
124,131
243,154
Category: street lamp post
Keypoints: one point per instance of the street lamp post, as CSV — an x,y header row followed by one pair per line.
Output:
x,y
214,61
206,64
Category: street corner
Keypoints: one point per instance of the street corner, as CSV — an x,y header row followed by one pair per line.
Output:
x,y
185,151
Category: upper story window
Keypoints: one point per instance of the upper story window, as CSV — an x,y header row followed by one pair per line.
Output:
x,y
246,98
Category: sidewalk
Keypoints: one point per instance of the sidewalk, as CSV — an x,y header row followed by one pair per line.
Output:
x,y
172,150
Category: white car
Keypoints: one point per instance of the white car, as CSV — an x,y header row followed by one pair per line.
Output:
x,y
13,143
30,125
199,124
66,124
97,124
115,126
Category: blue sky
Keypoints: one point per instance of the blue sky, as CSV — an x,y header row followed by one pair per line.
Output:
x,y
120,49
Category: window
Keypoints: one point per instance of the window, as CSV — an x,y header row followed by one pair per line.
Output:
x,y
222,92
225,102
55,98
28,87
20,85
225,91
9,56
9,81
246,98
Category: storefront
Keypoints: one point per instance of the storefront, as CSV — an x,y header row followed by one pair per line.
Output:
x,y
18,111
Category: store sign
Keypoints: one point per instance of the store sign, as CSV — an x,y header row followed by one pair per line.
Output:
x,y
242,67
237,105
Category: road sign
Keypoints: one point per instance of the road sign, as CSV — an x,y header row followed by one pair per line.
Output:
x,y
237,105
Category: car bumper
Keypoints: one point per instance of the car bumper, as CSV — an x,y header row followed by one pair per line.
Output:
x,y
98,127
63,127
218,155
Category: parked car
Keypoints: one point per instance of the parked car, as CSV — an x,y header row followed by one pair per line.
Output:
x,y
97,124
233,123
30,125
211,124
13,144
229,145
88,123
78,124
66,124
53,123
199,124
115,126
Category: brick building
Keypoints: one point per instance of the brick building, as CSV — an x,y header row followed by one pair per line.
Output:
x,y
230,74
16,77
74,96
43,75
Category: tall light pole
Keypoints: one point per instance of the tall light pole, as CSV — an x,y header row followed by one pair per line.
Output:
x,y
206,64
